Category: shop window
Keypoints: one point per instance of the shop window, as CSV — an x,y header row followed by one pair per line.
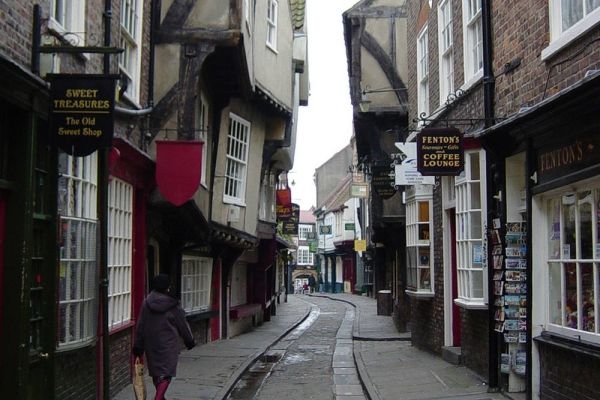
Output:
x,y
238,141
573,262
419,240
120,250
470,216
196,280
78,271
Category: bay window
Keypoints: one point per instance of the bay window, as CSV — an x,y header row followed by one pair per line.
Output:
x,y
78,270
419,239
196,280
470,216
573,259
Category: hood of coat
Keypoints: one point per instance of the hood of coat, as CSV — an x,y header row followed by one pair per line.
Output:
x,y
160,303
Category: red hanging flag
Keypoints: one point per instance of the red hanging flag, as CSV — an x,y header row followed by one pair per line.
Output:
x,y
178,169
284,203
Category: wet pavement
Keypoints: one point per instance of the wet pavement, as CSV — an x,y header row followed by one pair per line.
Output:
x,y
320,346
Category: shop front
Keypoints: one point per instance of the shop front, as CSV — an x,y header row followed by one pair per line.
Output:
x,y
548,236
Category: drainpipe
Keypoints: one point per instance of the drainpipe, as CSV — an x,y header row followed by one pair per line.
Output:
x,y
488,110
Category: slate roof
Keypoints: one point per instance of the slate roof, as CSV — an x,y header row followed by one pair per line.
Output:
x,y
298,8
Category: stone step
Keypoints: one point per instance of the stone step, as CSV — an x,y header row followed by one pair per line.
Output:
x,y
452,354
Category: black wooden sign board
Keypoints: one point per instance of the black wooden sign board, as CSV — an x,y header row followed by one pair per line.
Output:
x,y
290,225
440,152
81,112
382,180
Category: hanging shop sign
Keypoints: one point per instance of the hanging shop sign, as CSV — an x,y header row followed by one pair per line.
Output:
x,y
360,245
82,112
349,227
359,190
440,152
313,246
567,158
382,181
283,198
325,229
290,225
178,169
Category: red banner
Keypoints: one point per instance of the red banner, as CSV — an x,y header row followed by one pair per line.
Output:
x,y
284,203
178,169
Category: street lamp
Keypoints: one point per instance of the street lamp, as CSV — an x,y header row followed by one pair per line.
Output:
x,y
365,103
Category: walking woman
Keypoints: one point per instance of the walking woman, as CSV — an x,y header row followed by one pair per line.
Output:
x,y
161,323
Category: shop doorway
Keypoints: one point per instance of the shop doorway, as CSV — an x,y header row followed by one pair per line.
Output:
x,y
454,278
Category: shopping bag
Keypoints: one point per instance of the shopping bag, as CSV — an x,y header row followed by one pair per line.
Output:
x,y
139,386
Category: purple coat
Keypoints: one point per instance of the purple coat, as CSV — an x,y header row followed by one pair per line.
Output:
x,y
161,323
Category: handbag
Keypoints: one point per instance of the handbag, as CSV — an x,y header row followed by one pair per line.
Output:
x,y
139,385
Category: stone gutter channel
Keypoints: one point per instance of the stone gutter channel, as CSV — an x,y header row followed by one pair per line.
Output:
x,y
351,378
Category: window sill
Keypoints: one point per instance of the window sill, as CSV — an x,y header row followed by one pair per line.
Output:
x,y
474,80
419,294
566,343
121,327
244,310
67,38
234,202
200,315
571,34
471,305
272,48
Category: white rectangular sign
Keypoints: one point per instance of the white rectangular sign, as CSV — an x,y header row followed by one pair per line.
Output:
x,y
406,173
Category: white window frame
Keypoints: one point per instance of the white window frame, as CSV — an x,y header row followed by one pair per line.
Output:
x,y
423,72
303,231
130,40
67,20
470,232
201,133
419,241
559,37
238,143
446,50
196,283
547,257
120,251
77,194
304,256
472,41
272,16
267,211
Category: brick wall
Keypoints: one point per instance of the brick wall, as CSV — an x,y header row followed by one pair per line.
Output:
x,y
427,317
15,31
475,340
75,374
567,374
200,330
120,360
520,29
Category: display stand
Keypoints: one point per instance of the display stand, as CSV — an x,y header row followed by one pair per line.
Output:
x,y
509,250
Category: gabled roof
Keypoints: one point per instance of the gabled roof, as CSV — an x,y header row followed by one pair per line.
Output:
x,y
298,9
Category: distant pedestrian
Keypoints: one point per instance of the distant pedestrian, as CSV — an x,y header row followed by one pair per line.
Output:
x,y
160,324
305,288
312,282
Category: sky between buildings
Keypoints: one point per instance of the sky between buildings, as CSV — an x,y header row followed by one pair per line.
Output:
x,y
325,125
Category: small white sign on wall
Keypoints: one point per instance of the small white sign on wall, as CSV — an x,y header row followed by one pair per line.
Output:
x,y
406,173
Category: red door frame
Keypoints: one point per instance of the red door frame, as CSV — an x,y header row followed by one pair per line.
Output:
x,y
456,332
349,272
